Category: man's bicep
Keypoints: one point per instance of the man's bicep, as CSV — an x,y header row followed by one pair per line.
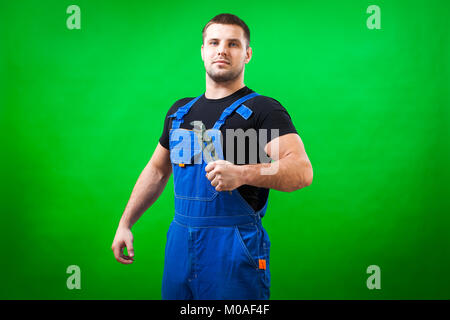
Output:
x,y
161,159
288,144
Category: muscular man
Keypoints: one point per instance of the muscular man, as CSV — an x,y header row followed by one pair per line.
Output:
x,y
216,245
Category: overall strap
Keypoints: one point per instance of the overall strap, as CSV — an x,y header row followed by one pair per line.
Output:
x,y
243,110
181,112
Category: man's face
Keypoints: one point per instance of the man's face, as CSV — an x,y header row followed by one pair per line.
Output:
x,y
224,52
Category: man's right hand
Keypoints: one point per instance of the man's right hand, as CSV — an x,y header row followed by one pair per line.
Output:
x,y
149,186
122,239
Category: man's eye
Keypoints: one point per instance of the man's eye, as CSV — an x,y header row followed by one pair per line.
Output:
x,y
233,44
213,42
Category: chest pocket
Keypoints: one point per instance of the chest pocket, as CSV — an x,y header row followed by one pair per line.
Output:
x,y
190,182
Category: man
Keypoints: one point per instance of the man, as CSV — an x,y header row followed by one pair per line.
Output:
x,y
216,246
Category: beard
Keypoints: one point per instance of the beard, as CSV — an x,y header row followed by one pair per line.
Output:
x,y
223,75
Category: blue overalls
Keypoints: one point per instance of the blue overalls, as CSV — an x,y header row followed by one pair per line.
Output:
x,y
216,245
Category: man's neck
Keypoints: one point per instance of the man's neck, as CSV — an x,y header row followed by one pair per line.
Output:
x,y
218,90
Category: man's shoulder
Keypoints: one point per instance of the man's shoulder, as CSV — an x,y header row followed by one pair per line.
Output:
x,y
177,104
265,104
271,114
183,101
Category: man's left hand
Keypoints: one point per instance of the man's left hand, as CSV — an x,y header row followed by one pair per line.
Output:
x,y
224,175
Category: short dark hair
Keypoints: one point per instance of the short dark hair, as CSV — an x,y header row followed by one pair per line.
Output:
x,y
227,18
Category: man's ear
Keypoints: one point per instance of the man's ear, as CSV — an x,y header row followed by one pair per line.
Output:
x,y
201,52
248,54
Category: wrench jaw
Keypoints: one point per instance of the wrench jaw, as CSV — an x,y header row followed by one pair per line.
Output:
x,y
206,142
208,149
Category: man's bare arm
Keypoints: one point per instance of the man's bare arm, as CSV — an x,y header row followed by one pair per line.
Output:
x,y
148,188
291,169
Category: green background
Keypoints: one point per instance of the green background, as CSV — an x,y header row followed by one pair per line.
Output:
x,y
82,111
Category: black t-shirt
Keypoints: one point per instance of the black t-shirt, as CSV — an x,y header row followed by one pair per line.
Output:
x,y
267,114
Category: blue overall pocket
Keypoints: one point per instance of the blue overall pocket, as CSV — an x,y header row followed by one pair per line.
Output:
x,y
255,245
189,175
190,183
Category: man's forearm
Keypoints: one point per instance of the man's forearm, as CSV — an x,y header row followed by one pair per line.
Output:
x,y
287,174
148,188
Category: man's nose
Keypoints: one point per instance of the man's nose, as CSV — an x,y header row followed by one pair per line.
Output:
x,y
221,49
